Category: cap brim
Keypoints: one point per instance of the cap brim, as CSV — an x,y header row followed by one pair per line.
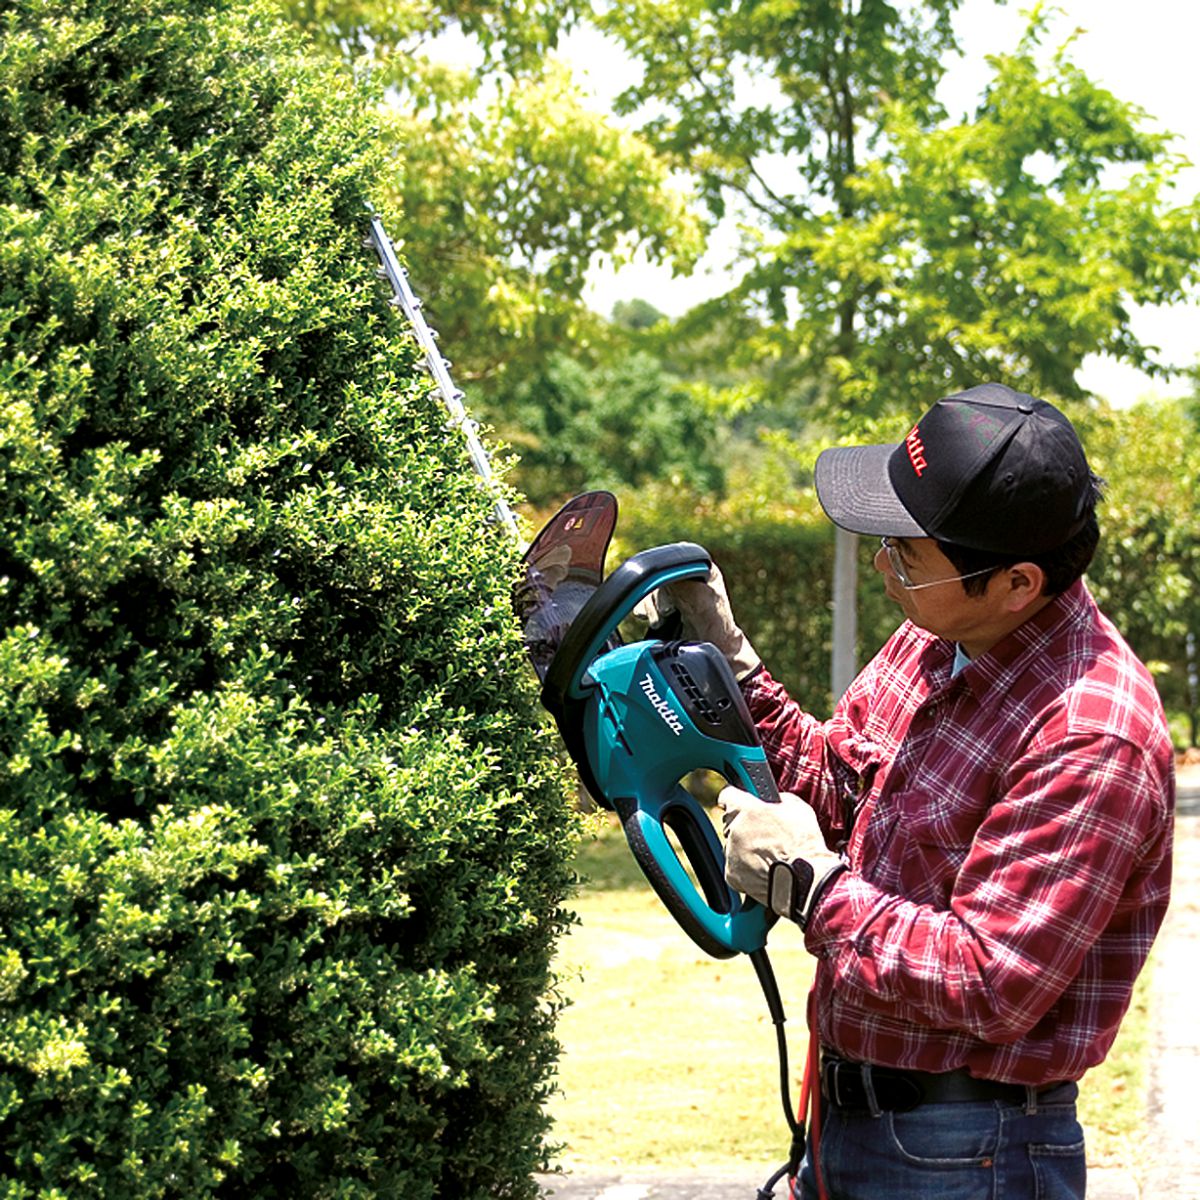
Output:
x,y
857,495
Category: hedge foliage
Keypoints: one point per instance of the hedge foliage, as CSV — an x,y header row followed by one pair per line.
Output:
x,y
282,852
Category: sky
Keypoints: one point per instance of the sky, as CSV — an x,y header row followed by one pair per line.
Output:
x,y
1143,51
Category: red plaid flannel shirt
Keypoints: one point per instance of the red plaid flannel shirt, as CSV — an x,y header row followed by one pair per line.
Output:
x,y
1009,837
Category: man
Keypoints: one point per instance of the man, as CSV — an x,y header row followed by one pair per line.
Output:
x,y
987,815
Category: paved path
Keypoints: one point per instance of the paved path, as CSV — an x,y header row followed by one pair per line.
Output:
x,y
730,1185
1170,1168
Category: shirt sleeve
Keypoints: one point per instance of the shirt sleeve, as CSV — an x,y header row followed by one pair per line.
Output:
x,y
1043,877
824,762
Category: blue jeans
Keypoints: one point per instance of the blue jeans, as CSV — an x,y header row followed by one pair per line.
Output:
x,y
986,1150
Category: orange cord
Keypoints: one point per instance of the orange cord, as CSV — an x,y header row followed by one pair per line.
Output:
x,y
810,1096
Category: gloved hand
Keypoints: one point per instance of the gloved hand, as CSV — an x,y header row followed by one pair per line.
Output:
x,y
758,835
708,617
654,607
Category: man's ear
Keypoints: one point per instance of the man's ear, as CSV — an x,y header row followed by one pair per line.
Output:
x,y
1024,583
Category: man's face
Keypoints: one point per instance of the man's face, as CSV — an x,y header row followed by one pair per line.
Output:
x,y
942,606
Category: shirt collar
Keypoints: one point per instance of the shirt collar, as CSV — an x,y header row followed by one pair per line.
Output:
x,y
991,673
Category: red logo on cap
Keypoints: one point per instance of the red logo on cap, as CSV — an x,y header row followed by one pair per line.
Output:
x,y
916,451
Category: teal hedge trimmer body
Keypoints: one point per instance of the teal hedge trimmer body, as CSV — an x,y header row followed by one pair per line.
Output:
x,y
637,718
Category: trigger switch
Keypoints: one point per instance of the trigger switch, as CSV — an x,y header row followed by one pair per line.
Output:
x,y
762,779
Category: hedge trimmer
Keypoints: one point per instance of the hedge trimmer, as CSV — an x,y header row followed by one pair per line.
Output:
x,y
635,718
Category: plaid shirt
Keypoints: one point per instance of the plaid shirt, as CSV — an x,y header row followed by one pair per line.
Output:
x,y
1009,834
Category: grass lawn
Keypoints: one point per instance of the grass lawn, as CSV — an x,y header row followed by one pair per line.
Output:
x,y
669,1056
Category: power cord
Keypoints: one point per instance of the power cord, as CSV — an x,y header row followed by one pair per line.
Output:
x,y
766,978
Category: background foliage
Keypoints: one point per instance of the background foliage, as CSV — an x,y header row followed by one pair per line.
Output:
x,y
1148,567
890,252
504,183
281,846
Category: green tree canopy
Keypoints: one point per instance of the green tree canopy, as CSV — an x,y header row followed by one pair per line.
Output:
x,y
906,255
505,182
728,88
1007,247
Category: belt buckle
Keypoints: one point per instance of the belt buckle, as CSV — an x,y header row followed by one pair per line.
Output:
x,y
836,1083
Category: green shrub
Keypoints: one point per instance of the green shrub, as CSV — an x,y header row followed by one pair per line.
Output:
x,y
282,852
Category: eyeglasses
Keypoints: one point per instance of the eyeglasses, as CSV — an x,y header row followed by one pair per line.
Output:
x,y
893,557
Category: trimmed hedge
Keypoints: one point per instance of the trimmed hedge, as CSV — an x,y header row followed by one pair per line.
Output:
x,y
282,848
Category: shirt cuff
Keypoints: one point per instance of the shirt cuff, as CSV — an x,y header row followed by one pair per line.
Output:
x,y
759,691
844,905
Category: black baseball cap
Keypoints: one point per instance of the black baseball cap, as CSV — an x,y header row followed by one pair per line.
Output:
x,y
989,469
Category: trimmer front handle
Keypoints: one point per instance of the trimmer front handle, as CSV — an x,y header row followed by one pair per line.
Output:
x,y
613,601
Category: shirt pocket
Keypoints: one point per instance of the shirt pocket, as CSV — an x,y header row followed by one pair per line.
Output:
x,y
932,841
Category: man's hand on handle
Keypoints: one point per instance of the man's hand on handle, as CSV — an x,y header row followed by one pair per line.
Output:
x,y
775,853
708,617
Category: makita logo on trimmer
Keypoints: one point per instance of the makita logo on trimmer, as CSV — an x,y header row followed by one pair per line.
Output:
x,y
668,714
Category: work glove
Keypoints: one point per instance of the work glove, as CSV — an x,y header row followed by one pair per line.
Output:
x,y
708,617
776,853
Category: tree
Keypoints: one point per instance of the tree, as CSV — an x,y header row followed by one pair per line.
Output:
x,y
503,185
902,255
636,315
1008,247
768,106
737,85
282,848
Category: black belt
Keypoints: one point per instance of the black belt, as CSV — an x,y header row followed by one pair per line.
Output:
x,y
847,1084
